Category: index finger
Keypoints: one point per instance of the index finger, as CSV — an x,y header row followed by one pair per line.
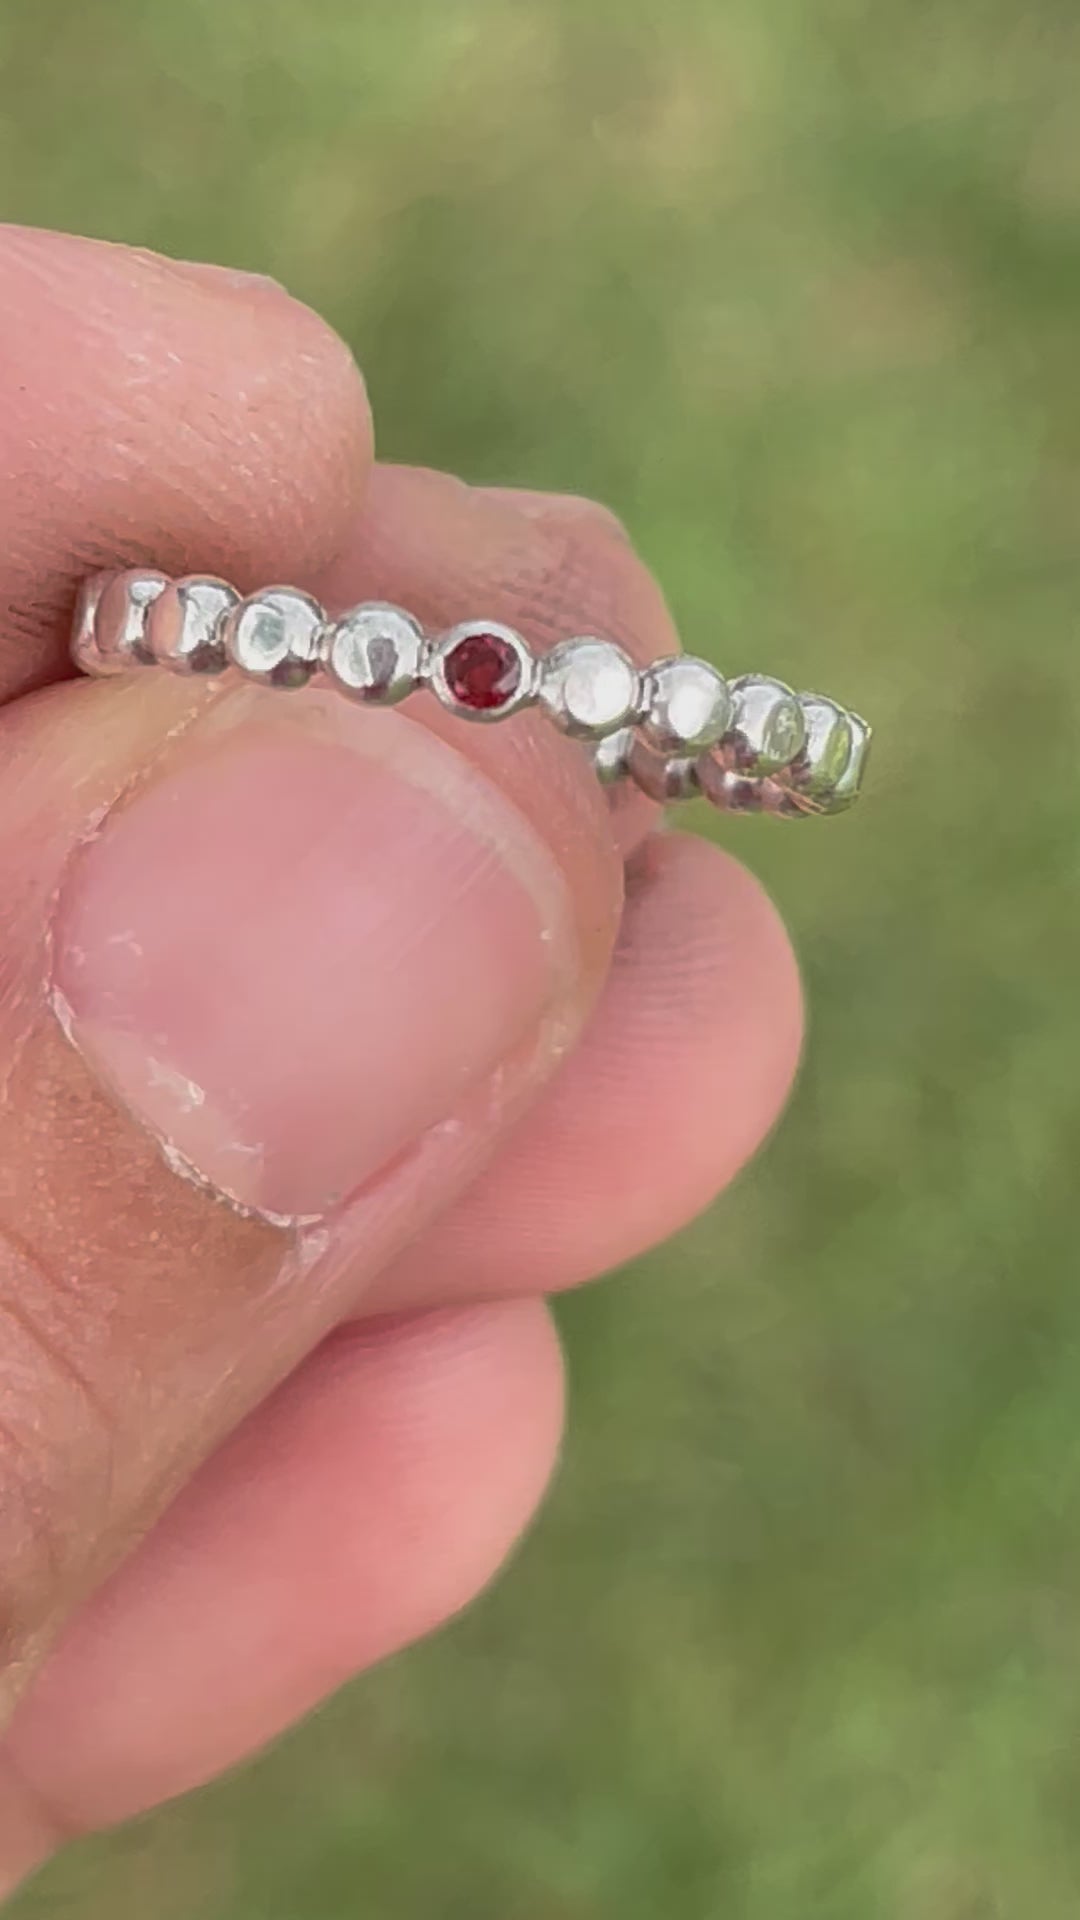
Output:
x,y
156,412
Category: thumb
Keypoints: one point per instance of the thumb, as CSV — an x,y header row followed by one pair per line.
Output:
x,y
277,972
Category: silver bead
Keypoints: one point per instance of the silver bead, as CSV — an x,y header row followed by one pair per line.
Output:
x,y
767,728
765,750
183,627
273,636
686,706
847,788
482,670
374,653
610,757
84,647
119,618
590,687
659,777
826,748
732,792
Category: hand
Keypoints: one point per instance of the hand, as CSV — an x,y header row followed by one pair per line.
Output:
x,y
378,975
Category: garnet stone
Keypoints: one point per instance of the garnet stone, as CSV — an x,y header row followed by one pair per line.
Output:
x,y
483,672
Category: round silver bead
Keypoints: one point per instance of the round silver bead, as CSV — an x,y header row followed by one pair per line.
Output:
x,y
119,618
374,653
84,647
183,626
826,748
846,791
686,706
767,729
733,792
610,756
590,688
660,777
273,636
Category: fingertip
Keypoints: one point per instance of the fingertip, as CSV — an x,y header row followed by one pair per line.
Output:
x,y
723,979
481,1389
681,1074
572,510
159,414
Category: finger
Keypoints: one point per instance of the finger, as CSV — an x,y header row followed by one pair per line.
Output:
x,y
229,989
681,1072
458,550
571,511
242,958
369,1499
152,412
448,552
220,984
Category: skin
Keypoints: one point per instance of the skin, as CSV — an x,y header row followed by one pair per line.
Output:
x,y
237,1463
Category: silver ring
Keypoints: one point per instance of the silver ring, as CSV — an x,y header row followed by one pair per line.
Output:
x,y
677,729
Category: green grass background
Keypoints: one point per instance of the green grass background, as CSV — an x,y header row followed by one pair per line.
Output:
x,y
795,286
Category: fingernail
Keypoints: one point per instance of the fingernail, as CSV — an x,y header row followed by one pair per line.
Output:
x,y
303,942
560,508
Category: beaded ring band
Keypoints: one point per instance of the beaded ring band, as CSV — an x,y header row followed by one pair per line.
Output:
x,y
676,729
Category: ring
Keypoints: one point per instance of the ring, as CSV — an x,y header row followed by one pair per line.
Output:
x,y
677,729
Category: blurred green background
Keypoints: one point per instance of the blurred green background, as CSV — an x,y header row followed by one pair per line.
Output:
x,y
795,286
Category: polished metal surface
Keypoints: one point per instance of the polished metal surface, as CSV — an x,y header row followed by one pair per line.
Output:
x,y
589,688
119,618
767,730
183,624
374,654
687,706
848,787
85,648
733,792
676,729
661,778
273,636
827,747
610,757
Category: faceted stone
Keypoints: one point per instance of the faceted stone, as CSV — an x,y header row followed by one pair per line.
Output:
x,y
482,672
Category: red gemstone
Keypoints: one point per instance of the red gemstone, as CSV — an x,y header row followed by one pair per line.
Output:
x,y
483,672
